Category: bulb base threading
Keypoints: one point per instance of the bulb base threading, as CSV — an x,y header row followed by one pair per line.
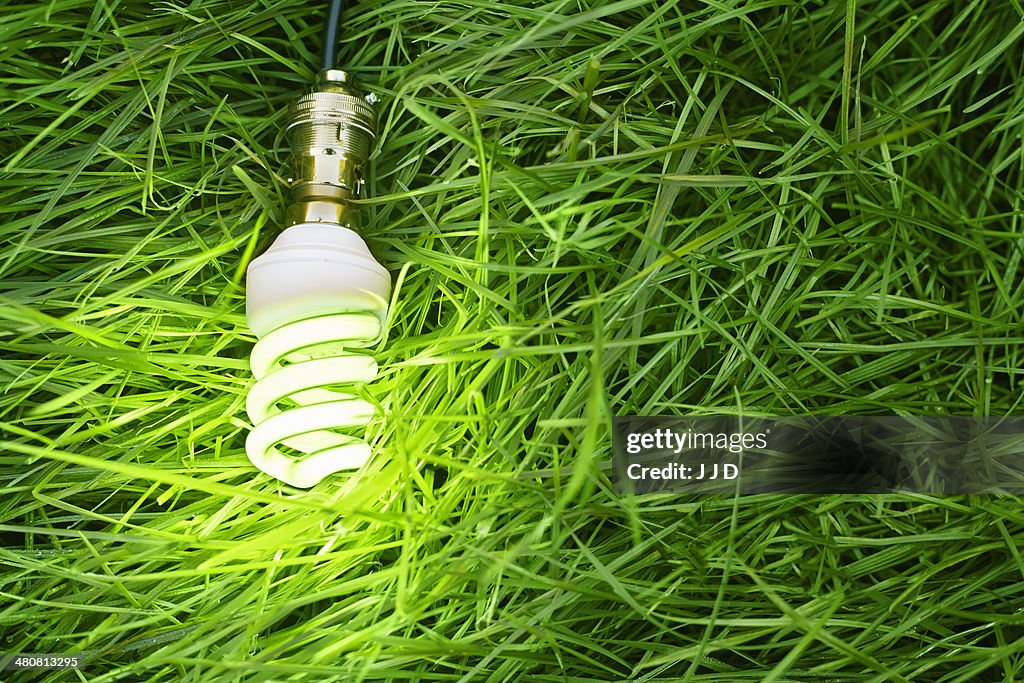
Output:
x,y
332,133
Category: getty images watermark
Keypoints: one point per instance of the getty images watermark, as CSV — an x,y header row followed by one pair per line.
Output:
x,y
729,454
666,440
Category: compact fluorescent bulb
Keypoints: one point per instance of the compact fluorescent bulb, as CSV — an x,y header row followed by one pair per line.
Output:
x,y
315,298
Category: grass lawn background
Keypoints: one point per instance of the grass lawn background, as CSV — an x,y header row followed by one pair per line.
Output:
x,y
620,207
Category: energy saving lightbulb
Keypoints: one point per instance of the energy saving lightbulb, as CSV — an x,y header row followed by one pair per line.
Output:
x,y
316,299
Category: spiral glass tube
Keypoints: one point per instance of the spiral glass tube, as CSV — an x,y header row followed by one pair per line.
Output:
x,y
316,299
309,365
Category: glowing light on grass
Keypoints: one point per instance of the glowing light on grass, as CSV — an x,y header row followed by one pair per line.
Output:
x,y
307,364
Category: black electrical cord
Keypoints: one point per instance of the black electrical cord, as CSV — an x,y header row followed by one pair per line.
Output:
x,y
332,35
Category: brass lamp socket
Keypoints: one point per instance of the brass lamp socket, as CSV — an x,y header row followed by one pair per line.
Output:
x,y
331,132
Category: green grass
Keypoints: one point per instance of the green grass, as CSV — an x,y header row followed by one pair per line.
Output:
x,y
619,207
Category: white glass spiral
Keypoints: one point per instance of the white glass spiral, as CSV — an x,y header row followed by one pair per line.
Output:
x,y
305,376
